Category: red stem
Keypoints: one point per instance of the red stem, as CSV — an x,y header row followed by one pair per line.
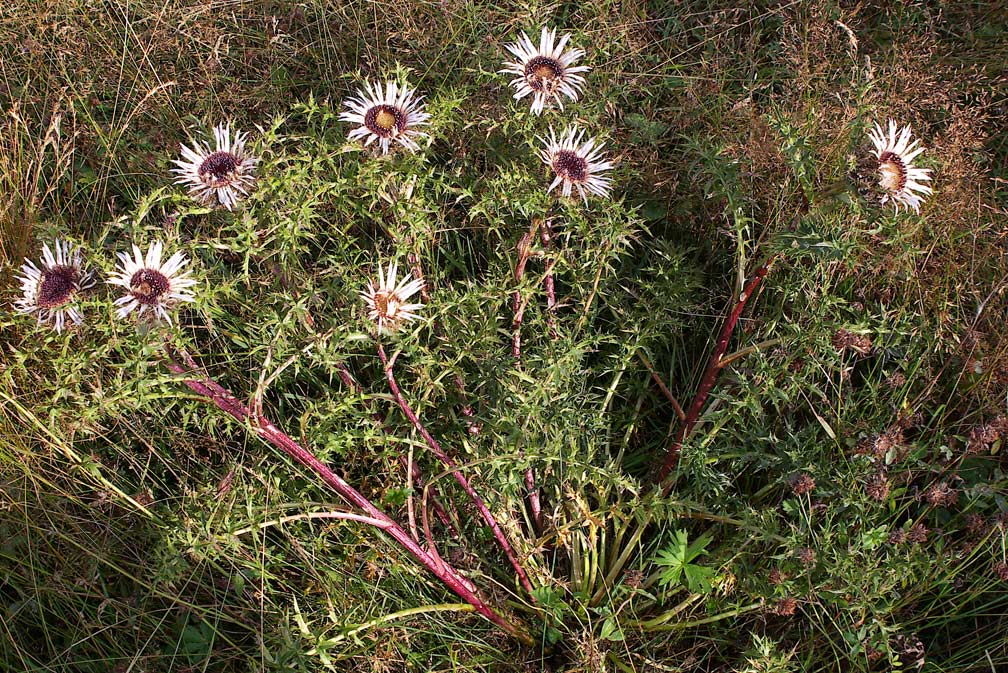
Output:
x,y
532,493
344,374
223,399
710,374
519,313
518,304
524,250
546,235
418,485
346,377
449,462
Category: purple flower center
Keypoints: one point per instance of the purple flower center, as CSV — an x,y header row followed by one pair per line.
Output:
x,y
148,285
218,168
569,166
58,286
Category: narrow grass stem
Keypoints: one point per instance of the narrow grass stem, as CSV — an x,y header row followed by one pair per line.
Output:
x,y
394,616
710,374
708,620
663,618
748,350
223,399
450,463
680,414
517,301
616,567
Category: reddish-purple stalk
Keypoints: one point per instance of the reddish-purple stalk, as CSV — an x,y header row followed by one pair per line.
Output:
x,y
223,399
680,414
532,493
524,251
517,302
546,235
710,374
418,485
450,463
519,313
347,378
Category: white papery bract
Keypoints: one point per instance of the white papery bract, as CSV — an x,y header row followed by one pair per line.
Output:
x,y
388,301
50,289
223,175
150,284
393,113
547,71
901,181
576,163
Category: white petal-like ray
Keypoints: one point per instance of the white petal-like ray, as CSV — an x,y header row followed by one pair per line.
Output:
x,y
152,286
221,176
400,103
576,164
387,302
899,179
50,290
546,71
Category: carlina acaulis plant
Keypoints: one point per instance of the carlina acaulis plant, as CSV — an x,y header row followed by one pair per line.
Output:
x,y
549,338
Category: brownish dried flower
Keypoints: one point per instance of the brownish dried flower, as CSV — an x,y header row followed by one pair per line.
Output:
x,y
976,525
890,443
941,494
1001,570
785,607
801,483
896,381
877,486
918,534
983,436
806,556
907,419
633,578
897,537
777,577
890,440
844,340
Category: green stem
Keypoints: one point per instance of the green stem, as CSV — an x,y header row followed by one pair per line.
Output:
x,y
391,617
708,620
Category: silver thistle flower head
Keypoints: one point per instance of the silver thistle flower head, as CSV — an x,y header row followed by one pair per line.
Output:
x,y
223,175
50,289
901,181
576,163
547,71
388,301
394,113
150,284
